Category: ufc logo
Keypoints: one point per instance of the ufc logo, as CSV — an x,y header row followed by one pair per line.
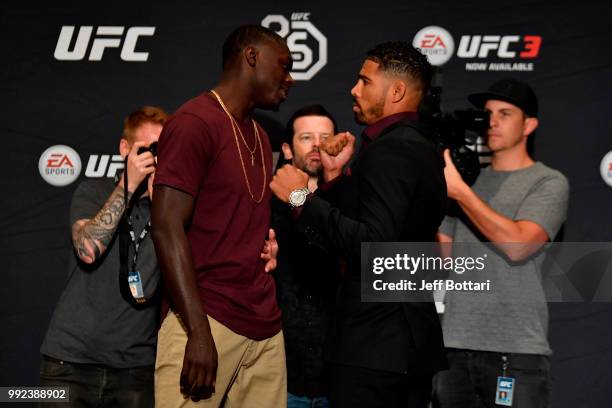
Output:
x,y
58,160
480,46
105,37
103,165
300,16
432,41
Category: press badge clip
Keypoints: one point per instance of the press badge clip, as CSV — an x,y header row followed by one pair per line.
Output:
x,y
135,284
505,386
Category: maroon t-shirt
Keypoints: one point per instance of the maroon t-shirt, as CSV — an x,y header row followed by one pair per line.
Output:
x,y
198,155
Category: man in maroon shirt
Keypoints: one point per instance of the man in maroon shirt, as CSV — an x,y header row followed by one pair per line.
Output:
x,y
222,339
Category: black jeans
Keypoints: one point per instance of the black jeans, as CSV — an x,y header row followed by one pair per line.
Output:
x,y
97,386
471,380
356,387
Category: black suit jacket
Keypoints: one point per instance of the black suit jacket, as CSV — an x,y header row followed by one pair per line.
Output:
x,y
396,192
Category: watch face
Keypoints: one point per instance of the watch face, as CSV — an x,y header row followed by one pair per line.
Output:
x,y
298,197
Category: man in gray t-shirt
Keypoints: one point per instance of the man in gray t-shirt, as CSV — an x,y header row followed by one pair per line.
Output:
x,y
518,201
100,343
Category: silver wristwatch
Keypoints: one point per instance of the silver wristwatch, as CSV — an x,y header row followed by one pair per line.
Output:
x,y
297,198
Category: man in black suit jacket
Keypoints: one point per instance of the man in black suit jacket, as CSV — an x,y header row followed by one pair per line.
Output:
x,y
381,354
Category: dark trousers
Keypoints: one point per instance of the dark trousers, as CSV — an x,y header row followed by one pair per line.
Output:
x,y
355,387
96,386
471,380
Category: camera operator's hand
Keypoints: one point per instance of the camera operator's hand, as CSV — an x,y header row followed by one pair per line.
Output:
x,y
138,166
454,182
336,151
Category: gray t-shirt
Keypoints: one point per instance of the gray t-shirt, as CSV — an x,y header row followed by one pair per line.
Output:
x,y
514,317
92,323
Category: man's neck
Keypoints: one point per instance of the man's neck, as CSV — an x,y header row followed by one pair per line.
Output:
x,y
313,183
510,160
376,128
239,105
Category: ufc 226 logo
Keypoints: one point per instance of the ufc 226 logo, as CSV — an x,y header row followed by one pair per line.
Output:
x,y
125,38
307,44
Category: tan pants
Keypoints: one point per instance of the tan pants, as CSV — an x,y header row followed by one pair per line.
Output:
x,y
250,373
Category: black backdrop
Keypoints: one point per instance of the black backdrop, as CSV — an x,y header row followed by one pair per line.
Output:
x,y
47,100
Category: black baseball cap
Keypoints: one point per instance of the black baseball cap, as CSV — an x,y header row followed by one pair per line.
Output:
x,y
509,90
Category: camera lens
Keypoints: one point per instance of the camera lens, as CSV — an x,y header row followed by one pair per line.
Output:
x,y
153,148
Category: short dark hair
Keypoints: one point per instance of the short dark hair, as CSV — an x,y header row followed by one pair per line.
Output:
x,y
309,110
401,58
244,36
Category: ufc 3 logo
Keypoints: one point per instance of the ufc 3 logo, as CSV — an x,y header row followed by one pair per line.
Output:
x,y
506,46
105,37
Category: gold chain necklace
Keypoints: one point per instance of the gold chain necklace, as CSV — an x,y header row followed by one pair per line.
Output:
x,y
257,141
252,151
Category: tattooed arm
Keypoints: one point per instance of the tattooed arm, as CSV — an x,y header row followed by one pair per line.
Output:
x,y
90,237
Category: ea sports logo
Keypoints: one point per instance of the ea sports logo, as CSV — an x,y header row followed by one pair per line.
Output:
x,y
436,43
59,165
606,168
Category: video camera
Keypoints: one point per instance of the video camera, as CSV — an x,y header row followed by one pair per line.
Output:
x,y
451,129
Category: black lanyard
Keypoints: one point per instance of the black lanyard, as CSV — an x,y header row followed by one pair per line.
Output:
x,y
135,242
127,239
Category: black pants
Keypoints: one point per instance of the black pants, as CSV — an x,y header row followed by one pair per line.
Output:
x,y
96,386
355,387
471,380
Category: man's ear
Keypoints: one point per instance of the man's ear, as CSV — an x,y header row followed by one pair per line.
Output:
x,y
530,126
398,91
287,153
250,55
124,147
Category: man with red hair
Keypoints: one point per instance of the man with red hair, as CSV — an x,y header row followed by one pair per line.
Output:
x,y
100,343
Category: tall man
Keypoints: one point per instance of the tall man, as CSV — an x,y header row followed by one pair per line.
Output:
x,y
382,354
518,205
307,275
98,344
222,339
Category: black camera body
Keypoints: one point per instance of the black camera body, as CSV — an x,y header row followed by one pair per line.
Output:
x,y
451,130
151,148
